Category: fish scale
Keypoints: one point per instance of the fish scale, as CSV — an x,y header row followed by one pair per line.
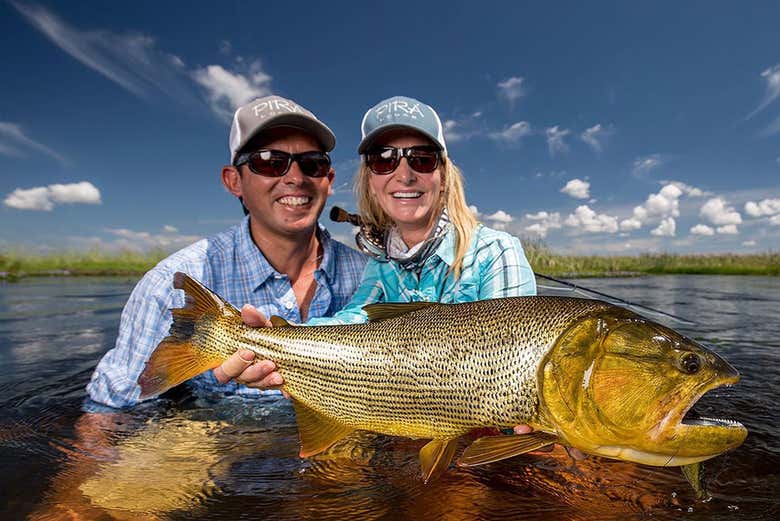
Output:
x,y
432,373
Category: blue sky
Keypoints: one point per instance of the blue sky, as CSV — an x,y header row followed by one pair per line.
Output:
x,y
601,127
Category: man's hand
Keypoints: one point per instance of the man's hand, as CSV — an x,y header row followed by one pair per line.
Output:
x,y
574,453
242,366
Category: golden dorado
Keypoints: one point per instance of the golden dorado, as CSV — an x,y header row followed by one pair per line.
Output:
x,y
583,373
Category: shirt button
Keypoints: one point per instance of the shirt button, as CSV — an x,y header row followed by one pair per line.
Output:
x,y
288,305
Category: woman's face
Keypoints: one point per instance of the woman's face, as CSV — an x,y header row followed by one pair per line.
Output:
x,y
408,197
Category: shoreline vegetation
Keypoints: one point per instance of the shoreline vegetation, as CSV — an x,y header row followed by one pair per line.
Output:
x,y
14,266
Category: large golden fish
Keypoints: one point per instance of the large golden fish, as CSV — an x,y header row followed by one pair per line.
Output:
x,y
582,372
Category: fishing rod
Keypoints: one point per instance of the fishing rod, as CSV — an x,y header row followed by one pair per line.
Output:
x,y
369,240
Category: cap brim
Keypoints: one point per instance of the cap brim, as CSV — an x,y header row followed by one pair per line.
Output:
x,y
317,129
368,141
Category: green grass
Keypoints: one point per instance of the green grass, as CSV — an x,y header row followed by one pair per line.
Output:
x,y
543,260
17,265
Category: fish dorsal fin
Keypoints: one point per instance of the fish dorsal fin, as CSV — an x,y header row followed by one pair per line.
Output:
x,y
200,300
435,457
393,309
316,431
278,321
495,448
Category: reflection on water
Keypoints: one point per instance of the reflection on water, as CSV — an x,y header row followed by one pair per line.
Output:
x,y
195,459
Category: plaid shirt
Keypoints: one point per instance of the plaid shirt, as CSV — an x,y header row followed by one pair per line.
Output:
x,y
231,265
494,266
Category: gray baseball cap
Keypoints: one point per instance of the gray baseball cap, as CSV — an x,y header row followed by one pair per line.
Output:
x,y
401,112
275,111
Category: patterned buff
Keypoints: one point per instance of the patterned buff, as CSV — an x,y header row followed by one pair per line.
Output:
x,y
412,259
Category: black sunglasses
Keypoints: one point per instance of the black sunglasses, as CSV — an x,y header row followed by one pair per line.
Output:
x,y
276,163
384,160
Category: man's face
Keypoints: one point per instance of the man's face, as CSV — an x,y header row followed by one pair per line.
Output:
x,y
282,206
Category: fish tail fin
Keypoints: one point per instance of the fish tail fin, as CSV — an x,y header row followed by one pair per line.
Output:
x,y
179,356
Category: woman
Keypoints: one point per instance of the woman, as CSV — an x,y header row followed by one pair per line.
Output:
x,y
424,241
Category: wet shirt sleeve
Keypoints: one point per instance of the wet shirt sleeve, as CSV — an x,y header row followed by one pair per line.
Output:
x,y
145,321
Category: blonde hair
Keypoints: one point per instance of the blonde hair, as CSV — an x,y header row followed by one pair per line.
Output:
x,y
453,198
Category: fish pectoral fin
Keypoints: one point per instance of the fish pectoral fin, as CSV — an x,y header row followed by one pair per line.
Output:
x,y
278,321
495,448
391,310
317,432
435,457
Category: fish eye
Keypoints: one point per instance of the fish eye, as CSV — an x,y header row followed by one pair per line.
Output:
x,y
690,363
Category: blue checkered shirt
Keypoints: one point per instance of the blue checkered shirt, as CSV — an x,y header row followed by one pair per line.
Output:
x,y
494,266
231,265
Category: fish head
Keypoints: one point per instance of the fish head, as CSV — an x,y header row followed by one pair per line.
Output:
x,y
618,385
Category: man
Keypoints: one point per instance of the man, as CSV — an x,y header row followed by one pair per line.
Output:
x,y
277,261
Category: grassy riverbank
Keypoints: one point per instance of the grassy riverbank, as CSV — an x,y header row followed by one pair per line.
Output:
x,y
543,260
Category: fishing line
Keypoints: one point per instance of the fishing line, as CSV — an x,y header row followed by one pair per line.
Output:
x,y
340,215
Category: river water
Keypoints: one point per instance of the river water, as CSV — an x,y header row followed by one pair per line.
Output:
x,y
187,458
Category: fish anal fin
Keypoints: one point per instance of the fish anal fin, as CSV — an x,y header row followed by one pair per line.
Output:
x,y
317,432
435,457
395,309
495,448
278,321
694,473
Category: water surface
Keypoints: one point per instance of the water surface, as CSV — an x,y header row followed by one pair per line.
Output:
x,y
188,458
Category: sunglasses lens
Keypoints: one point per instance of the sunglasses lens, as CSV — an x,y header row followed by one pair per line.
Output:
x,y
382,161
423,161
269,163
314,164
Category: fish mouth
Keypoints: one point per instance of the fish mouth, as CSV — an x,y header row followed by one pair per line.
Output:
x,y
701,437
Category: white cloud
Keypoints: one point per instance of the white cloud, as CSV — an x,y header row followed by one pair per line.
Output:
x,y
15,143
500,216
499,219
643,165
587,220
666,228
145,241
512,89
133,61
44,198
748,243
513,133
660,206
775,219
690,191
129,60
544,222
763,208
29,199
629,224
729,229
228,90
772,77
717,212
475,211
702,229
555,142
170,229
595,136
577,188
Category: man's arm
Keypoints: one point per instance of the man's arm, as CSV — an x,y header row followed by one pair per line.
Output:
x,y
145,321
